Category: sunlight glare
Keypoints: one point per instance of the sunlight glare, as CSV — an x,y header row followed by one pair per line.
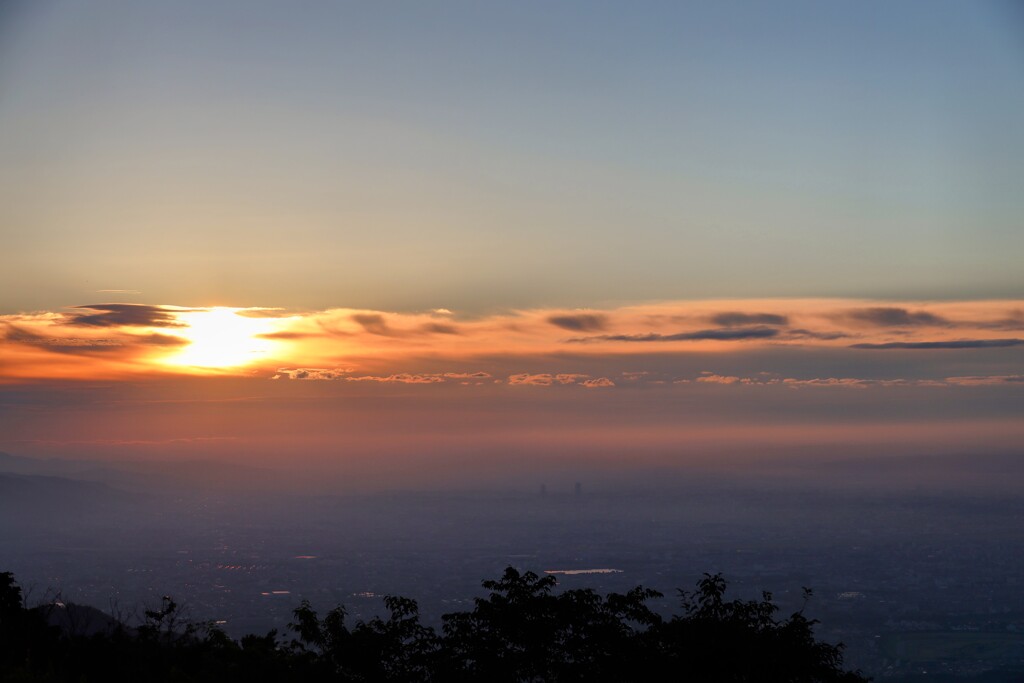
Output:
x,y
221,338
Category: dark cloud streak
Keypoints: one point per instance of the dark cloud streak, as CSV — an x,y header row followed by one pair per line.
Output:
x,y
580,322
735,319
441,328
374,323
720,334
287,335
119,315
810,334
159,340
70,345
890,316
955,344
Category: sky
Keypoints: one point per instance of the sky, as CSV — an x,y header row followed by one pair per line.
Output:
x,y
413,241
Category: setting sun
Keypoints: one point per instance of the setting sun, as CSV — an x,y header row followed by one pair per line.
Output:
x,y
221,338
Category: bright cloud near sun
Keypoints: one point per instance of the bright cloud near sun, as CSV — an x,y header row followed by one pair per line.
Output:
x,y
221,338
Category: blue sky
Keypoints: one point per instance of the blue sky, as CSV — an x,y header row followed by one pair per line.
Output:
x,y
485,156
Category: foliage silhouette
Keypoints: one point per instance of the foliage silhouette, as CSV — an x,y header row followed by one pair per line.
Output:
x,y
396,649
719,640
523,630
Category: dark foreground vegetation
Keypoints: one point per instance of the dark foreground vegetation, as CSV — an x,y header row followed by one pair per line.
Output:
x,y
522,631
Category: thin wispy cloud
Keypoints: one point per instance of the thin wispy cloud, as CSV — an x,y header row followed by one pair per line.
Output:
x,y
440,328
734,319
892,316
350,375
543,379
131,442
402,378
985,380
948,345
374,323
721,334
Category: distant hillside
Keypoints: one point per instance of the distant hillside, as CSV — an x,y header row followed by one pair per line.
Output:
x,y
145,475
14,464
80,621
23,489
28,501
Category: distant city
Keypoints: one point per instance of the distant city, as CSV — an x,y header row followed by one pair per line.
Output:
x,y
910,582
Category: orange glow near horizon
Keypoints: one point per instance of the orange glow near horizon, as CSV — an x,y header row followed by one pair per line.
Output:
x,y
122,341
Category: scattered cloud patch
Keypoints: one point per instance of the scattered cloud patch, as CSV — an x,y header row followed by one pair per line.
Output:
x,y
810,334
719,334
547,379
125,315
401,378
440,328
735,319
580,322
976,381
1012,320
635,375
891,316
374,323
768,379
467,375
345,375
311,373
710,378
847,382
542,380
20,335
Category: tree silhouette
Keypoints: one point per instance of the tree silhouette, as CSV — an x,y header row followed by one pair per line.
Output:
x,y
398,648
522,631
25,640
719,640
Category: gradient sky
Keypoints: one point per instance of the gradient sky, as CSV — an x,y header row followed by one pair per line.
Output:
x,y
407,156
362,231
